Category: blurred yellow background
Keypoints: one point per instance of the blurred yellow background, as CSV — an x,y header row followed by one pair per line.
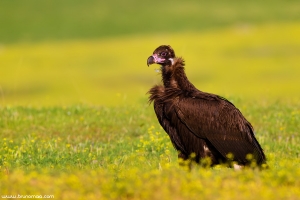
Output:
x,y
240,50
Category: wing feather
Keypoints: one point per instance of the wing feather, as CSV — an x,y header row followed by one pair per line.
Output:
x,y
165,123
222,124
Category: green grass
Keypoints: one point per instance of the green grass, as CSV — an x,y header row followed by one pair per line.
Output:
x,y
60,136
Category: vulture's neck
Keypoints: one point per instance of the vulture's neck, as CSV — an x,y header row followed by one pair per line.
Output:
x,y
173,76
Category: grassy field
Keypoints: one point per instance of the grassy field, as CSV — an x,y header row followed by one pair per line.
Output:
x,y
74,117
84,152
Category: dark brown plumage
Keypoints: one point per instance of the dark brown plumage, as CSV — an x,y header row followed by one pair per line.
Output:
x,y
198,122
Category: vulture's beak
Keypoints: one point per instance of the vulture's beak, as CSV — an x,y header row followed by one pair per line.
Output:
x,y
150,60
155,59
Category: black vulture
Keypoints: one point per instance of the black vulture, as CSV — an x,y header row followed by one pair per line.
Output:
x,y
198,123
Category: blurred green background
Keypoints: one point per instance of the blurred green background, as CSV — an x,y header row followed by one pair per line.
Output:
x,y
94,52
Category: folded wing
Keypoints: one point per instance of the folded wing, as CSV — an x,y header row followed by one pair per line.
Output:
x,y
222,124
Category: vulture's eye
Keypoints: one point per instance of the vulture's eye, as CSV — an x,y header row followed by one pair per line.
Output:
x,y
163,53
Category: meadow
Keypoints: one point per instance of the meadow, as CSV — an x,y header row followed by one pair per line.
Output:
x,y
75,122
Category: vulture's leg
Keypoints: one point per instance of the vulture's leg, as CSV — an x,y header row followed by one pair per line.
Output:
x,y
182,156
184,160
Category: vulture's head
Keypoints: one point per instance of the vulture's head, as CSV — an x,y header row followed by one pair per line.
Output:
x,y
162,55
